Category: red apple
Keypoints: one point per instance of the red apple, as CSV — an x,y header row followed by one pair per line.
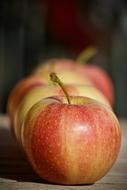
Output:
x,y
71,143
55,65
66,69
19,91
100,80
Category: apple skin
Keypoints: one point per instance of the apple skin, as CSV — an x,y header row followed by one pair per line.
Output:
x,y
75,143
100,80
55,65
39,92
66,69
19,91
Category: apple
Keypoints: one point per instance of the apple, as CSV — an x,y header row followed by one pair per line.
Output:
x,y
39,92
101,80
66,69
55,65
19,91
73,141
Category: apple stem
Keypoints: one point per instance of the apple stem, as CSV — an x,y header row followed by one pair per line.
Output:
x,y
86,55
55,79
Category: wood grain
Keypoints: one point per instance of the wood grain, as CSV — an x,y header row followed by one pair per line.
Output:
x,y
16,173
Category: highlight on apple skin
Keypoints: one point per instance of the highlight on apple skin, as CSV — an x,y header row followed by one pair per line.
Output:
x,y
75,143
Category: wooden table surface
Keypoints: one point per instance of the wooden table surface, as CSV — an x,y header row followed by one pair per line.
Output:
x,y
16,173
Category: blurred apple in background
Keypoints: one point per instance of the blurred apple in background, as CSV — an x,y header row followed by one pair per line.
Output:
x,y
55,65
101,81
66,69
74,142
19,91
98,76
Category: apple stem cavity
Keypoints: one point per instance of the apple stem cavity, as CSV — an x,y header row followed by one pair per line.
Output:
x,y
56,79
86,55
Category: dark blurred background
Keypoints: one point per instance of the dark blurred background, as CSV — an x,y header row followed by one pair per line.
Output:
x,y
32,31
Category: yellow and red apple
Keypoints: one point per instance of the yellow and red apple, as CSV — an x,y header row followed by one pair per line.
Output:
x,y
66,69
19,91
74,143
